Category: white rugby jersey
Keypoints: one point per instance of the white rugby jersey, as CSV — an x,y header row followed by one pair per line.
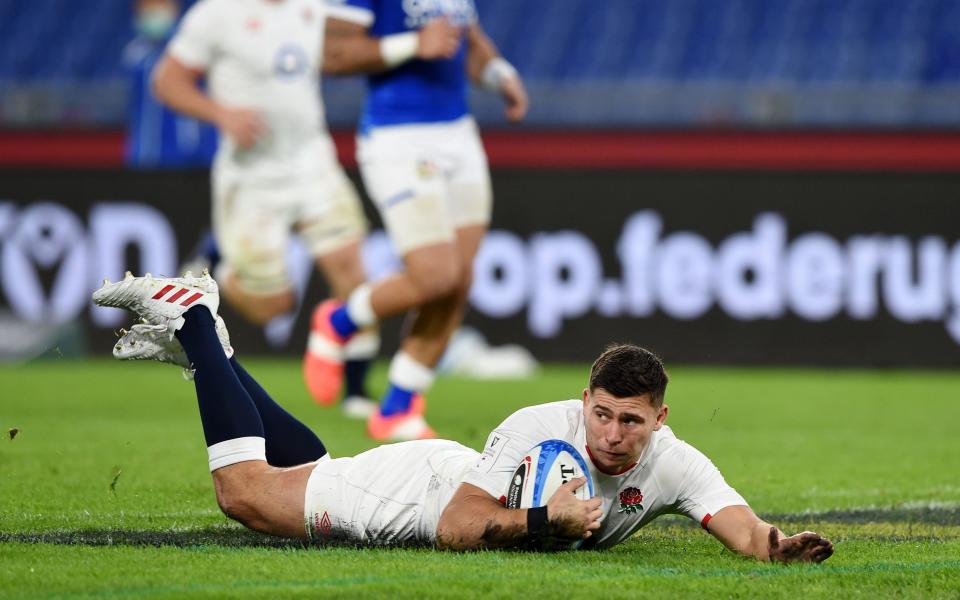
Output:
x,y
396,493
265,56
670,477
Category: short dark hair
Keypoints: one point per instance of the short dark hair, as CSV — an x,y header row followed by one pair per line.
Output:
x,y
625,370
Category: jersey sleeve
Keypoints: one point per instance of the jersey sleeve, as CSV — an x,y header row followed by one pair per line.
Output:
x,y
195,41
505,448
703,491
360,12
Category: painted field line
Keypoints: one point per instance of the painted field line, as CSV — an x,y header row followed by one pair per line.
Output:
x,y
461,579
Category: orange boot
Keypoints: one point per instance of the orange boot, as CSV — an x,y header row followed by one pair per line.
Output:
x,y
399,427
323,360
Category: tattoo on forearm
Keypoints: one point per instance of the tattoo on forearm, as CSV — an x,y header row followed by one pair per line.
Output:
x,y
496,535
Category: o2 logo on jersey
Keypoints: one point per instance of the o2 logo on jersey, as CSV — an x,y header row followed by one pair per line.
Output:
x,y
419,12
291,61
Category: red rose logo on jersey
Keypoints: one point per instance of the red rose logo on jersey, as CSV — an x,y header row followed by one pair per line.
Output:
x,y
630,499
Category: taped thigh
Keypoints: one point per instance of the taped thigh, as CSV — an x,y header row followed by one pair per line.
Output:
x,y
331,214
252,238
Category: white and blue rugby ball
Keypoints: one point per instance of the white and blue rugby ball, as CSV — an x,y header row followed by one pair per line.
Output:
x,y
546,467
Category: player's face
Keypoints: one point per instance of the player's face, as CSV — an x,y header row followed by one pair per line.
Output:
x,y
618,429
155,18
170,5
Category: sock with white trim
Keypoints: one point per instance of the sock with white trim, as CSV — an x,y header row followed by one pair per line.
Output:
x,y
288,441
210,250
231,423
407,378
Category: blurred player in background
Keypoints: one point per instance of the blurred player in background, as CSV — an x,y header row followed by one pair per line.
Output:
x,y
156,136
276,168
425,169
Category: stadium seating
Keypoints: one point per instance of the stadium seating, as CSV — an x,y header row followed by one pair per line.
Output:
x,y
753,62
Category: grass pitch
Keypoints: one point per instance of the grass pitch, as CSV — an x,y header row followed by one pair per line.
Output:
x,y
104,490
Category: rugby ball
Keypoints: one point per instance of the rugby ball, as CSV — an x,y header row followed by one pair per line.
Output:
x,y
546,467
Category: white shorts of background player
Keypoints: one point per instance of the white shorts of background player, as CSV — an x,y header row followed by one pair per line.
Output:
x,y
253,221
427,180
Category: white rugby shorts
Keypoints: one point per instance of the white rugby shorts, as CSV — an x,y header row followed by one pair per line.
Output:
x,y
426,179
252,221
392,494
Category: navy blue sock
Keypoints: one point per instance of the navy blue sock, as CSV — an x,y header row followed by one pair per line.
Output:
x,y
210,250
226,410
289,442
355,377
396,400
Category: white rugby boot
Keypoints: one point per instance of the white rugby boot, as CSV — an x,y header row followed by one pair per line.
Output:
x,y
146,341
160,300
358,407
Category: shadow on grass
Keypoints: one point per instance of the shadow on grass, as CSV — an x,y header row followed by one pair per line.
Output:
x,y
182,538
926,515
948,516
236,537
225,537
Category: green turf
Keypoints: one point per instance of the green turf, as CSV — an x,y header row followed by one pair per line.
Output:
x,y
105,492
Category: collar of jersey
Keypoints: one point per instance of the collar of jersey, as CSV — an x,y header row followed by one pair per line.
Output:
x,y
616,474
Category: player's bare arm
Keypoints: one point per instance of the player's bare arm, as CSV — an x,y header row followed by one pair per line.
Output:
x,y
474,520
178,86
742,531
349,48
486,67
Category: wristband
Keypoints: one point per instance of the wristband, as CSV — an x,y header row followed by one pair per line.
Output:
x,y
495,72
398,48
536,522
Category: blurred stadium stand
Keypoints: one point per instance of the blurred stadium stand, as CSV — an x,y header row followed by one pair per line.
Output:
x,y
607,63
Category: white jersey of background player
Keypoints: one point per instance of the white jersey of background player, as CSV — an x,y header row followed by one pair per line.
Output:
x,y
265,56
276,168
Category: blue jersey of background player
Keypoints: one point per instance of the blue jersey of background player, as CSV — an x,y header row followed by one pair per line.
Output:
x,y
156,136
417,91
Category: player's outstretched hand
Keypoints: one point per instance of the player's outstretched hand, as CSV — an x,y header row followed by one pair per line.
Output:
x,y
571,518
439,39
515,95
243,125
803,547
